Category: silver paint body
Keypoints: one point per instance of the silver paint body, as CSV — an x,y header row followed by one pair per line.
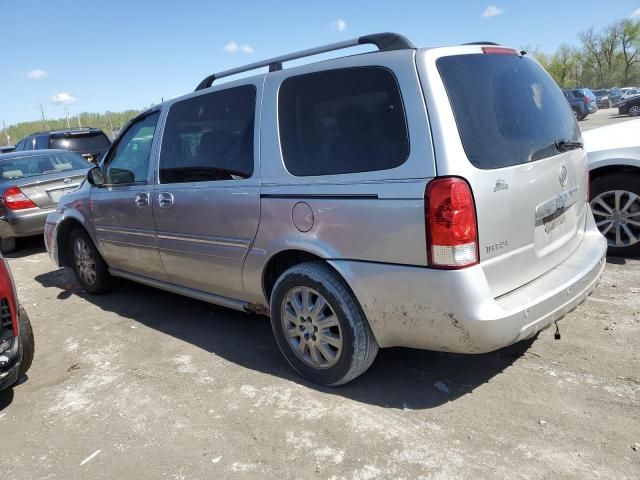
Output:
x,y
216,238
614,145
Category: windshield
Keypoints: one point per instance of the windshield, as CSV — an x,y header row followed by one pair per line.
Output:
x,y
84,143
34,165
507,109
601,93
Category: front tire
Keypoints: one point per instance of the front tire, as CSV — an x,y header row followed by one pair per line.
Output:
x,y
319,325
27,342
634,110
90,268
615,202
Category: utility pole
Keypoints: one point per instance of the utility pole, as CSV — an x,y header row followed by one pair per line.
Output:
x,y
79,124
6,132
46,127
66,112
110,122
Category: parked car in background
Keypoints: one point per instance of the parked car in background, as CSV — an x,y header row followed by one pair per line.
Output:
x,y
31,182
582,102
7,149
614,162
630,106
17,346
629,92
297,193
615,95
91,143
602,99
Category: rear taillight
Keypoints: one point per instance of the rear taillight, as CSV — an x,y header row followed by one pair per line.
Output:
x,y
8,292
585,99
14,199
450,220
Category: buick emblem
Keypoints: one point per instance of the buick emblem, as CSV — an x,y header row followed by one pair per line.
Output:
x,y
563,176
67,180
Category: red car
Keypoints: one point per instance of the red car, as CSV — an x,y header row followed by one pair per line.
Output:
x,y
16,337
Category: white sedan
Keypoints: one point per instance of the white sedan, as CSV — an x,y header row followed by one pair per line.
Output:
x,y
614,164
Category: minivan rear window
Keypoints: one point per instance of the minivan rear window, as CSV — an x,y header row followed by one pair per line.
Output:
x,y
507,108
84,143
342,121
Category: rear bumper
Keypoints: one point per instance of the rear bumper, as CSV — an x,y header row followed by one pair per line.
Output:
x,y
23,223
9,373
455,311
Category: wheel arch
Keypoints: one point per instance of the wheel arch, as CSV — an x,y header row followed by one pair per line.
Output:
x,y
283,260
613,166
62,238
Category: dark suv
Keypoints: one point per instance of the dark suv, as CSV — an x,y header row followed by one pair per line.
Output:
x,y
582,101
91,143
603,100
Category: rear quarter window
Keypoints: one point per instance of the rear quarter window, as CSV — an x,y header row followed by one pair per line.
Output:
x,y
507,109
342,121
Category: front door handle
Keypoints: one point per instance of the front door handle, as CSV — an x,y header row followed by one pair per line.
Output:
x,y
165,200
142,199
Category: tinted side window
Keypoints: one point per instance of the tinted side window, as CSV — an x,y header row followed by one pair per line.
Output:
x,y
27,144
342,121
209,137
42,142
128,161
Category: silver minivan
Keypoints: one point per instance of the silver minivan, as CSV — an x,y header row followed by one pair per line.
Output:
x,y
432,198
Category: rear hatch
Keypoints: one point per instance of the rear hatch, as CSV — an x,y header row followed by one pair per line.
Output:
x,y
44,177
92,145
524,162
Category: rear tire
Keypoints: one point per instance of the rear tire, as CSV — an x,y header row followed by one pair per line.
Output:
x,y
27,342
8,245
634,110
297,312
609,218
579,115
90,268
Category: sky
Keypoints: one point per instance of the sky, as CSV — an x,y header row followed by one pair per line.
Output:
x,y
99,55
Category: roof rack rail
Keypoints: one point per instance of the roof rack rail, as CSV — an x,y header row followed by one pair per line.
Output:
x,y
384,41
481,43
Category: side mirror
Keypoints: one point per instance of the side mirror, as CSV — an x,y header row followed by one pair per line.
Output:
x,y
95,177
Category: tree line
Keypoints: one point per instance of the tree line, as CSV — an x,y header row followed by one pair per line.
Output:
x,y
109,122
602,59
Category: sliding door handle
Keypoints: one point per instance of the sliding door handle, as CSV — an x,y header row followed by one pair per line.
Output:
x,y
142,199
165,200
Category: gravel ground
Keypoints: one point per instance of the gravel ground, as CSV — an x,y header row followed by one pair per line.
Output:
x,y
145,384
602,117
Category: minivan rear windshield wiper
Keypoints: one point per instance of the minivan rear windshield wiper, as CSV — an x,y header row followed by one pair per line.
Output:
x,y
566,145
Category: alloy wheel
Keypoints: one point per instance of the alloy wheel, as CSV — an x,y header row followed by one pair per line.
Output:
x,y
634,111
84,261
617,214
312,327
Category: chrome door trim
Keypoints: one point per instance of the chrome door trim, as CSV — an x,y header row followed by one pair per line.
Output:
x,y
126,231
225,242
